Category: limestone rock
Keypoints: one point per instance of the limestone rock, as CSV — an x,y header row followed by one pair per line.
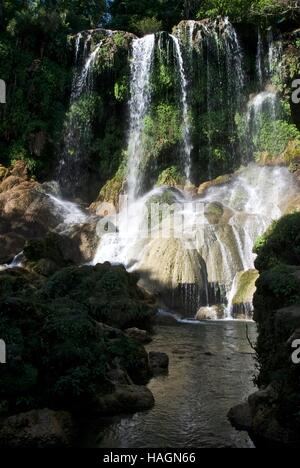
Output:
x,y
169,268
210,313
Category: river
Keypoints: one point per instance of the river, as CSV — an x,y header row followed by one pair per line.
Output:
x,y
211,369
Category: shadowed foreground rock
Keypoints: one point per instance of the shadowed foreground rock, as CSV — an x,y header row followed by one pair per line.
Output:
x,y
272,415
38,429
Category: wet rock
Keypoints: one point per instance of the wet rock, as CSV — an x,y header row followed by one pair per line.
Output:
x,y
125,399
38,429
141,336
244,290
240,417
165,319
210,313
169,269
26,212
159,362
222,180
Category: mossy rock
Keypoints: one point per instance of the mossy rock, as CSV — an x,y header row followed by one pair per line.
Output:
x,y
221,180
171,177
280,244
214,212
245,287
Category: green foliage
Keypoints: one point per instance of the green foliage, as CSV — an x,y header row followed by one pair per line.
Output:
x,y
240,9
146,25
144,16
58,353
112,189
280,244
121,90
172,177
162,129
275,136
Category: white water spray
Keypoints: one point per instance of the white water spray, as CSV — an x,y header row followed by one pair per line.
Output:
x,y
141,64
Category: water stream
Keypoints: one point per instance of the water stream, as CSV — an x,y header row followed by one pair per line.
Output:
x,y
211,370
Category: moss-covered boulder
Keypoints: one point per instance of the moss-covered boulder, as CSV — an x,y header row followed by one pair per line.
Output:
x,y
245,287
275,409
60,345
171,177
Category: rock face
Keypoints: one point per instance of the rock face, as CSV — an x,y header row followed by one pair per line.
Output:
x,y
28,212
38,429
274,410
174,273
243,291
25,211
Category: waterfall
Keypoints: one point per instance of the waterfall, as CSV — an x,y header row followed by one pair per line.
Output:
x,y
76,133
142,59
274,54
263,106
234,59
260,59
207,274
187,144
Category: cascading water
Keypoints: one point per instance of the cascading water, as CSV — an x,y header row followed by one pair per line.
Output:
x,y
207,270
141,64
77,135
260,59
187,145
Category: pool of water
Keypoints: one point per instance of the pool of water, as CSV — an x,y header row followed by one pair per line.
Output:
x,y
211,370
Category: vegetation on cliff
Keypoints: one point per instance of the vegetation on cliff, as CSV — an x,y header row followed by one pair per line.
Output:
x,y
277,313
59,350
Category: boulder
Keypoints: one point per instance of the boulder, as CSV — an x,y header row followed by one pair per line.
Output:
x,y
240,417
222,180
210,313
125,399
141,336
244,288
38,429
159,362
26,212
165,319
172,270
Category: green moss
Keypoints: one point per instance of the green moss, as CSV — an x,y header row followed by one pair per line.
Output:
x,y
172,177
278,139
246,287
58,352
280,244
113,188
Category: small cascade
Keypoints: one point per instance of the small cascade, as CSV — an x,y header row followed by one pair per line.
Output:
x,y
17,262
214,62
187,144
274,54
260,66
234,58
69,211
141,64
264,107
